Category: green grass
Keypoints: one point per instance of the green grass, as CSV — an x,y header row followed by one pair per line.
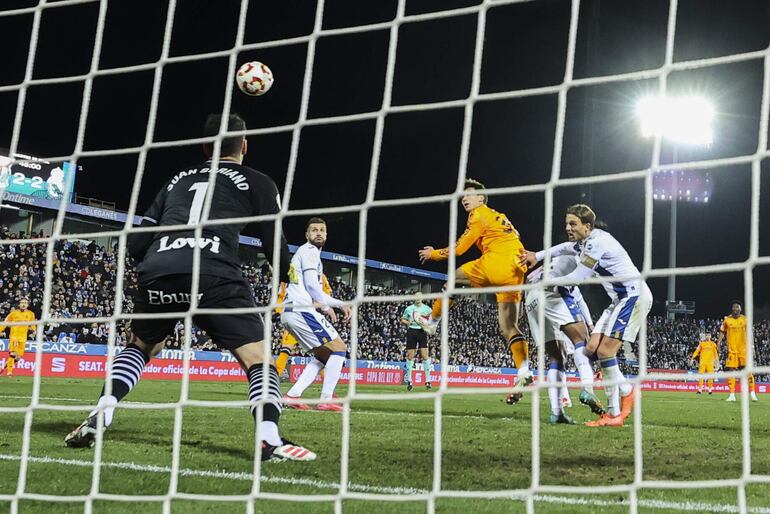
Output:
x,y
486,446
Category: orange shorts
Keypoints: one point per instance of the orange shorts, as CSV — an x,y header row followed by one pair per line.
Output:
x,y
735,360
706,367
288,340
496,269
17,348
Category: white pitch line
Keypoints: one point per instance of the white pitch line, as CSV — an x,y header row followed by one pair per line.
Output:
x,y
11,397
233,475
230,475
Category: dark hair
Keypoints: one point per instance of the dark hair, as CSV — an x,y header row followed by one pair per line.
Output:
x,y
734,302
314,220
602,225
475,184
231,146
583,212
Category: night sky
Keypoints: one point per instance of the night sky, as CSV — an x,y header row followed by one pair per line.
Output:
x,y
512,140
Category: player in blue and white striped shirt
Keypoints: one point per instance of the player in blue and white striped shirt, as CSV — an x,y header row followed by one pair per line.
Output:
x,y
600,254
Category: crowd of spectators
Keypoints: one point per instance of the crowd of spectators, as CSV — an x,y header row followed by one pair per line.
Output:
x,y
85,278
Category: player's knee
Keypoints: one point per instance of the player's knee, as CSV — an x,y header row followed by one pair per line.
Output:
x,y
338,345
251,354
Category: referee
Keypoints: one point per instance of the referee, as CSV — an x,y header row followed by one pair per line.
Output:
x,y
416,338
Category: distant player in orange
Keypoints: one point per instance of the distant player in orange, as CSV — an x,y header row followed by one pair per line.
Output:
x,y
18,339
288,341
498,265
734,328
709,359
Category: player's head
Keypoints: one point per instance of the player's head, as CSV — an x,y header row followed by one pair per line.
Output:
x,y
316,232
23,304
472,200
705,337
418,298
736,308
232,147
579,221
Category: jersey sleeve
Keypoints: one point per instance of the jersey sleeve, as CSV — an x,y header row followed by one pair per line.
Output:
x,y
138,243
473,230
566,248
266,200
592,252
313,286
697,350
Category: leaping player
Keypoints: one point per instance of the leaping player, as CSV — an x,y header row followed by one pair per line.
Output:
x,y
310,328
498,265
600,254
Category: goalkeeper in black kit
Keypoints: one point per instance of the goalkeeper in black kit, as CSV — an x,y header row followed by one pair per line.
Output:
x,y
165,275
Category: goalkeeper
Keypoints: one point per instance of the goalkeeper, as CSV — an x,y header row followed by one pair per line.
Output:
x,y
165,275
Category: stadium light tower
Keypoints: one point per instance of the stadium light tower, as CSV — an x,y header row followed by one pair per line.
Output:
x,y
685,120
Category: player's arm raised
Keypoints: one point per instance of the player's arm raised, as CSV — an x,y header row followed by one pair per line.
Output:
x,y
468,238
530,258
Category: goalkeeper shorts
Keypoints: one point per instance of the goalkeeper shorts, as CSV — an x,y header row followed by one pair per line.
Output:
x,y
171,293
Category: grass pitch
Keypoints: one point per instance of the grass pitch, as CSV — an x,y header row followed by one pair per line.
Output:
x,y
486,446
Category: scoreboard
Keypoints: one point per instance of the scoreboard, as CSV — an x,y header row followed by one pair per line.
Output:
x,y
32,176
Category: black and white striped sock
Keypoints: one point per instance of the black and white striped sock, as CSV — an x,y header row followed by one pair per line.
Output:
x,y
127,370
271,390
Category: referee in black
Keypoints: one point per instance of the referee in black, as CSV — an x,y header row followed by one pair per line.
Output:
x,y
416,339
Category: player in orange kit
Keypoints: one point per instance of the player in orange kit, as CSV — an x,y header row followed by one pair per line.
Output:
x,y
709,359
734,328
288,341
498,265
18,337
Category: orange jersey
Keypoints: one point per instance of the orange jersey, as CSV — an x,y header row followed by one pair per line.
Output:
x,y
735,333
19,332
489,230
707,351
327,288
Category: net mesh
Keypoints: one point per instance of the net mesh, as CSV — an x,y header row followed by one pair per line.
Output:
x,y
536,492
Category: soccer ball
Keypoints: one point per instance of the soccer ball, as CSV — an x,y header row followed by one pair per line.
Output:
x,y
254,78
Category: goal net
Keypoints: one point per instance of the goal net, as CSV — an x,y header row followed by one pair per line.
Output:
x,y
446,410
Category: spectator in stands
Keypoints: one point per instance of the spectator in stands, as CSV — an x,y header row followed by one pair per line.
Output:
x,y
84,277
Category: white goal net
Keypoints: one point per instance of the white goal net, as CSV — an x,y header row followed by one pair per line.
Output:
x,y
538,492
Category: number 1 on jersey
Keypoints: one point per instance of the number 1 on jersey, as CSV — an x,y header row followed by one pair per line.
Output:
x,y
200,189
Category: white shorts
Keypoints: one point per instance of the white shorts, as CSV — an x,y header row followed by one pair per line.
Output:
x,y
309,327
623,319
560,309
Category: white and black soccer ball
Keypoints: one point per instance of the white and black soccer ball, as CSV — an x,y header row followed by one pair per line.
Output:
x,y
254,78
